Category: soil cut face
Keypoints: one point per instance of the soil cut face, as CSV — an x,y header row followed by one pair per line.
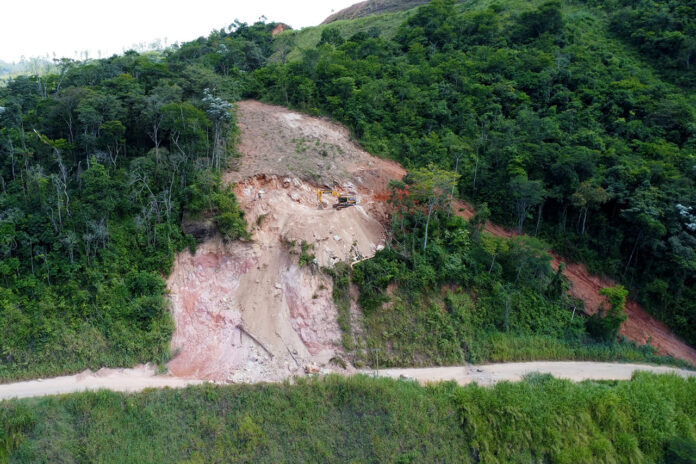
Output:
x,y
277,141
262,310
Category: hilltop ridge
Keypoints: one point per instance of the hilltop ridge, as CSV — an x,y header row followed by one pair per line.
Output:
x,y
373,7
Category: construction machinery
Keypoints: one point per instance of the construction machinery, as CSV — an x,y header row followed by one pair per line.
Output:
x,y
342,200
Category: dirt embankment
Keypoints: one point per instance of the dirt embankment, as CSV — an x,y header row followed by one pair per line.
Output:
x,y
640,326
249,311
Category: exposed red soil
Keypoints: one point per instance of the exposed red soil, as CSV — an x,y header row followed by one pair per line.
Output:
x,y
640,326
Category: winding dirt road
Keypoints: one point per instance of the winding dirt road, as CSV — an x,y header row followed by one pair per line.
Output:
x,y
144,377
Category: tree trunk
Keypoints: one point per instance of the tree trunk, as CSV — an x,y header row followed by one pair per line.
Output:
x,y
540,211
476,167
454,185
507,310
521,214
431,205
584,220
12,158
519,271
630,258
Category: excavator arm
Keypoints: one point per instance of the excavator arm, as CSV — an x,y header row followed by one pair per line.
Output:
x,y
321,192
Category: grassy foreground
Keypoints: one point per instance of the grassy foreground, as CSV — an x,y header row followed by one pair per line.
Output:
x,y
649,419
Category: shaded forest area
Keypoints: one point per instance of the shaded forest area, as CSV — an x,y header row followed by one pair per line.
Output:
x,y
100,163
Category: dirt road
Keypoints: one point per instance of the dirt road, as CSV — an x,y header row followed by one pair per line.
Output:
x,y
143,377
490,374
123,380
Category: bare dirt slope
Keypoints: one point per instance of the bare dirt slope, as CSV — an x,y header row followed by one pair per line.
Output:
x,y
277,141
640,326
249,311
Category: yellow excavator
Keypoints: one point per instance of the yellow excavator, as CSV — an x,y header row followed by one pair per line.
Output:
x,y
343,200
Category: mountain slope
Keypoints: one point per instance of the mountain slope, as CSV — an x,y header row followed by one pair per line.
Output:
x,y
373,7
549,114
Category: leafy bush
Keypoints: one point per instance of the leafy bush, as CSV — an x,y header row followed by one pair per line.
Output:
x,y
604,325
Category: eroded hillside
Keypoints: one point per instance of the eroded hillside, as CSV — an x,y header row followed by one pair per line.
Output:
x,y
262,309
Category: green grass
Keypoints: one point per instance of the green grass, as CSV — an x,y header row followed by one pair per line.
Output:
x,y
387,24
501,347
308,38
359,420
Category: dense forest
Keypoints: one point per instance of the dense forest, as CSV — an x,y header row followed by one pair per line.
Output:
x,y
560,120
100,163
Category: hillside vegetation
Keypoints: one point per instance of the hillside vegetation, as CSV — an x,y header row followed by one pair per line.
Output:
x,y
544,111
99,165
359,419
373,7
559,119
547,114
566,126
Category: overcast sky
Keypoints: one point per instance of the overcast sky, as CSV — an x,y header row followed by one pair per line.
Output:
x,y
39,27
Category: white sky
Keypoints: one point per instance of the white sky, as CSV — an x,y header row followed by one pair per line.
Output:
x,y
39,27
